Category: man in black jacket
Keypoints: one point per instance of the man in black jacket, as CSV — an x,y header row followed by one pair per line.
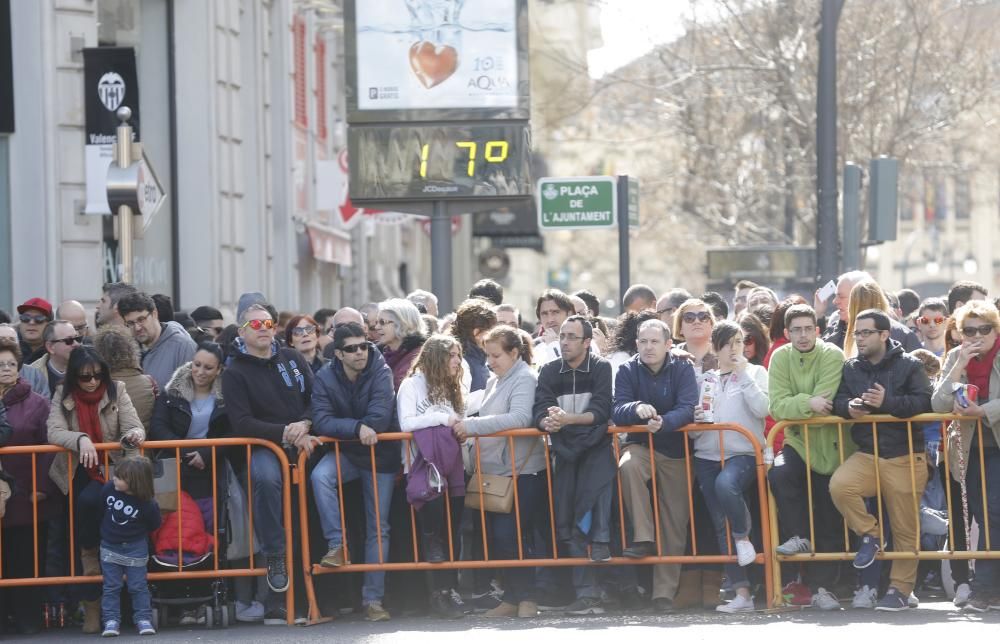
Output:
x,y
573,404
268,390
353,400
883,380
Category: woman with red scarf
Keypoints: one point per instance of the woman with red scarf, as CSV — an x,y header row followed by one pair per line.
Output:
x,y
87,409
975,362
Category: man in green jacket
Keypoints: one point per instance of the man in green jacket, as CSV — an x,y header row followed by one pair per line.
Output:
x,y
802,379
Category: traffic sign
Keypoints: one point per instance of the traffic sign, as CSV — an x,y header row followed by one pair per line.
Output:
x,y
567,203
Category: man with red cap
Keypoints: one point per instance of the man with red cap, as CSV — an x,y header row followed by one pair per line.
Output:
x,y
35,313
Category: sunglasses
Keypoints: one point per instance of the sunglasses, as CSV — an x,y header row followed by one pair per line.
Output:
x,y
69,341
983,330
700,316
90,377
35,319
936,320
353,348
303,330
257,325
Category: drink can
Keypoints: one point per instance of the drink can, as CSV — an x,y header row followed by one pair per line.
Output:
x,y
964,394
706,403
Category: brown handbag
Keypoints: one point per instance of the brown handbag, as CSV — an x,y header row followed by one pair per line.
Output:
x,y
497,491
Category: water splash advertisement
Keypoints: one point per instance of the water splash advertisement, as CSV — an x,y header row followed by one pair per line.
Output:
x,y
427,54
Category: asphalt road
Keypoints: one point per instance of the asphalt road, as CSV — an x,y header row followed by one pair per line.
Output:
x,y
934,621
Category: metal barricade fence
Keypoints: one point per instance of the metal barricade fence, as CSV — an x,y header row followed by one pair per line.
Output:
x,y
849,552
229,445
453,550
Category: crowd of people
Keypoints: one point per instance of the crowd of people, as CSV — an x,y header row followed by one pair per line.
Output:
x,y
452,380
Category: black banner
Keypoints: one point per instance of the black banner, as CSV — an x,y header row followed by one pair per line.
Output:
x,y
6,71
110,82
517,221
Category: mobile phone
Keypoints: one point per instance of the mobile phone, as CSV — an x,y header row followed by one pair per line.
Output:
x,y
827,291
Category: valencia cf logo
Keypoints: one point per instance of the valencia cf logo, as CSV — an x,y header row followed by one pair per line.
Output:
x,y
111,89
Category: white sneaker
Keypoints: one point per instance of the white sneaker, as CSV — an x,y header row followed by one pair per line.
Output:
x,y
794,546
745,554
825,600
252,612
740,604
962,594
913,601
865,597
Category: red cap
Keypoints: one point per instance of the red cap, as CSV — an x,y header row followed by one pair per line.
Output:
x,y
36,303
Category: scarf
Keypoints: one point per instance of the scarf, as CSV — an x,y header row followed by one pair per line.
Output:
x,y
978,370
87,413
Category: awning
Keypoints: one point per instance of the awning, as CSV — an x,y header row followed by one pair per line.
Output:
x,y
329,244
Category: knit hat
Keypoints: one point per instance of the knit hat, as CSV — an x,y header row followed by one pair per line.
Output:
x,y
247,300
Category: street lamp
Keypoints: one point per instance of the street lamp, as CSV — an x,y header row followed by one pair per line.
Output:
x,y
970,265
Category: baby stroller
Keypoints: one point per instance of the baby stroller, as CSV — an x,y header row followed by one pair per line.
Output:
x,y
204,601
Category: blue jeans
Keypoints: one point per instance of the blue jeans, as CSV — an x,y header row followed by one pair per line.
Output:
x,y
265,474
585,577
118,570
532,497
723,489
987,579
324,482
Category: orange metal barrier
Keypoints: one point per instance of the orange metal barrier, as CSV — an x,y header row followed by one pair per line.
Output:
x,y
310,569
229,445
849,552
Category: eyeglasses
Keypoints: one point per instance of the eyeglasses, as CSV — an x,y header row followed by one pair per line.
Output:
x,y
90,377
257,325
353,348
381,322
303,330
801,330
131,324
569,337
8,365
33,319
937,320
80,328
864,333
983,330
69,341
701,316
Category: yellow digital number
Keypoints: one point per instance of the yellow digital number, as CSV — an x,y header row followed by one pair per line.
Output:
x,y
424,152
471,147
498,157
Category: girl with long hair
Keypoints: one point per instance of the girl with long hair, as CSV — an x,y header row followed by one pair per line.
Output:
x,y
429,404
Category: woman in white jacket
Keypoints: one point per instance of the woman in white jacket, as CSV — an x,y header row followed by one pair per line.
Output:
x,y
724,461
432,397
507,403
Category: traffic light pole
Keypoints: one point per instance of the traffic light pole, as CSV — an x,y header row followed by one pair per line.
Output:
x,y
624,263
441,277
123,158
826,143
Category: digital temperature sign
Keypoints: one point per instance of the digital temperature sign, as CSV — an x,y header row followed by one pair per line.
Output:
x,y
433,162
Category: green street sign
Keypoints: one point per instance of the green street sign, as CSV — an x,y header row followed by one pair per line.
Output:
x,y
567,203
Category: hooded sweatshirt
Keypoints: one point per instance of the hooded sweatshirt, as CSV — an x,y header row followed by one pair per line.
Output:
x,y
507,404
173,348
263,395
793,378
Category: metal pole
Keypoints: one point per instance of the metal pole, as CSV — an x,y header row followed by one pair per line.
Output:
x,y
852,217
441,257
123,157
623,249
826,142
